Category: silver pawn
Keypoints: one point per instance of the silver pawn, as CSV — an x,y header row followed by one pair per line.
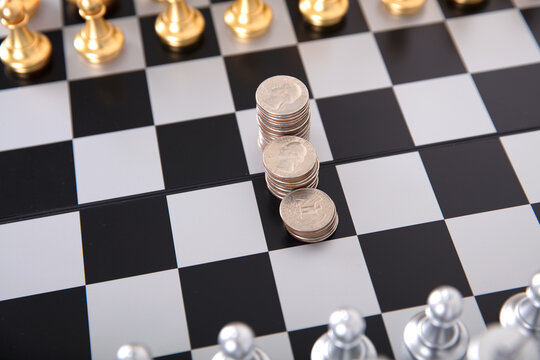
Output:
x,y
499,343
345,339
437,332
237,342
133,352
523,309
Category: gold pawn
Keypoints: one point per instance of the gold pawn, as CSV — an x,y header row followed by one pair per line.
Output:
x,y
98,41
180,25
323,12
403,7
23,51
107,3
30,6
248,18
467,3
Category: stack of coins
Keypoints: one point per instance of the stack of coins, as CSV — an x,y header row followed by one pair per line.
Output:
x,y
290,163
282,109
309,215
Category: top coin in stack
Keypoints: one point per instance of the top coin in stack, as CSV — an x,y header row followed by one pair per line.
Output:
x,y
282,109
290,163
309,215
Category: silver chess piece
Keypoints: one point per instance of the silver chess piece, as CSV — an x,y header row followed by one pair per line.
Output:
x,y
437,332
499,343
345,339
237,342
523,309
133,352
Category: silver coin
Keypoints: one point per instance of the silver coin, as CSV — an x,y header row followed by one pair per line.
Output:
x,y
289,157
307,210
281,95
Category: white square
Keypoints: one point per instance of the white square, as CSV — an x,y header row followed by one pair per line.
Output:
x,y
343,65
494,40
196,215
153,7
524,4
395,322
47,120
146,309
313,280
443,109
47,17
389,192
117,164
189,90
40,255
130,59
523,151
279,34
498,249
276,346
247,123
380,19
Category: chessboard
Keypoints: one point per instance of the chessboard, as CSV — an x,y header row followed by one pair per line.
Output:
x,y
133,204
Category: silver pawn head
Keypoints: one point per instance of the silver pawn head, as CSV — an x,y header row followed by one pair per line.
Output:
x,y
133,352
346,325
533,291
445,305
236,340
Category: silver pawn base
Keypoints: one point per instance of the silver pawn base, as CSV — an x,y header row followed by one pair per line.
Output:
x,y
345,339
499,343
437,333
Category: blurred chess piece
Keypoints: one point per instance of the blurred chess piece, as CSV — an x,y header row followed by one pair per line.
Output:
x,y
499,343
98,41
133,352
180,25
108,3
323,12
248,18
523,309
466,3
344,339
30,6
437,332
237,342
23,51
404,7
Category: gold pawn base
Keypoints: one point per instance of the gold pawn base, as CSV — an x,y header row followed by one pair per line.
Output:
x,y
403,7
181,34
323,13
251,24
29,59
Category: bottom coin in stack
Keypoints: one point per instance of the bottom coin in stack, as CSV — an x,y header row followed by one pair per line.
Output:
x,y
309,215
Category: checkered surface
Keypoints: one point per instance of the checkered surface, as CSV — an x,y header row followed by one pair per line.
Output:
x,y
133,208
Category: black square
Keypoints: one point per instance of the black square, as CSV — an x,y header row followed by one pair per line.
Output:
x,y
536,209
127,239
247,71
353,22
54,71
37,179
450,9
178,356
302,341
419,53
157,53
239,289
201,151
365,123
490,304
117,8
376,332
511,97
532,16
110,103
472,177
406,264
54,324
275,233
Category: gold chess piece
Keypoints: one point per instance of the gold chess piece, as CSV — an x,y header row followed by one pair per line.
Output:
x,y
23,51
180,25
30,6
248,18
107,3
467,3
323,12
98,41
404,7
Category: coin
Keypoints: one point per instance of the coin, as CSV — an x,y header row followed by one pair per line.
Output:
x,y
282,95
307,210
289,157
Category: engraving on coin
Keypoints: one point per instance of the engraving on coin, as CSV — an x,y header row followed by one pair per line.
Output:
x,y
307,210
289,157
282,95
